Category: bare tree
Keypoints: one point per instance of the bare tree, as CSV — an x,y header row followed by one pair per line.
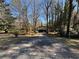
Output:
x,y
69,16
22,7
35,13
47,4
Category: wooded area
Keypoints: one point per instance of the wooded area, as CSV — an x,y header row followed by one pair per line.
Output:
x,y
61,17
49,28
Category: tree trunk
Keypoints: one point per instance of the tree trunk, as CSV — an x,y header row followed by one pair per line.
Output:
x,y
6,31
47,21
69,19
52,23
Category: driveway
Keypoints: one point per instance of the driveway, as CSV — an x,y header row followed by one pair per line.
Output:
x,y
39,47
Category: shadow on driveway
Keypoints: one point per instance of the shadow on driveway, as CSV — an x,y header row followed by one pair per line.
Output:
x,y
36,48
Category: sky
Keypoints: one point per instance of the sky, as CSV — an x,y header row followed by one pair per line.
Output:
x,y
15,13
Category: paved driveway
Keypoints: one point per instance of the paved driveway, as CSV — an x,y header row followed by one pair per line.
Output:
x,y
40,47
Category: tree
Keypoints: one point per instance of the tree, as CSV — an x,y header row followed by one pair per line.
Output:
x,y
70,5
25,19
52,13
46,9
22,6
7,18
77,23
35,13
